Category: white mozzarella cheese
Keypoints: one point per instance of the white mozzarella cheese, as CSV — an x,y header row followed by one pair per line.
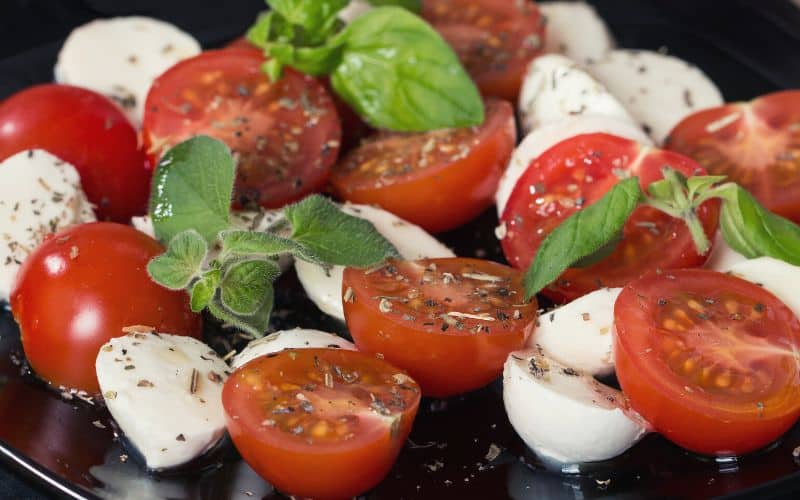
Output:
x,y
39,195
165,393
324,284
777,276
722,255
555,87
265,220
120,58
565,415
658,90
295,338
575,30
578,334
353,10
543,138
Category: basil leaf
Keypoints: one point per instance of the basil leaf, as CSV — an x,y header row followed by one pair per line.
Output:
x,y
335,237
582,234
399,74
181,262
204,289
255,324
261,30
245,285
414,6
249,243
315,20
313,61
192,189
601,253
754,231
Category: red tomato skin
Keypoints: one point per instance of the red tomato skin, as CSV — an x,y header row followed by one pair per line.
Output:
x,y
327,471
443,364
754,143
252,118
80,288
444,197
87,130
680,419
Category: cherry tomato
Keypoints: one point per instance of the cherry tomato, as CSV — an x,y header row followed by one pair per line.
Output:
x,y
285,134
87,130
708,359
756,144
320,423
80,288
495,39
576,173
438,180
450,322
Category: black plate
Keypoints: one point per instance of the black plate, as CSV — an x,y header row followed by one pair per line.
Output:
x,y
748,48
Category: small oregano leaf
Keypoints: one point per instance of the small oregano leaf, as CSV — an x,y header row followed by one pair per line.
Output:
x,y
245,285
181,262
698,184
255,324
192,189
335,237
204,289
252,244
582,234
754,231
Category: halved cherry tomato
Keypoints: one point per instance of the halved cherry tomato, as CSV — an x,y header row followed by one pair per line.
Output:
x,y
708,359
438,180
450,322
576,173
87,130
756,144
495,39
80,288
320,423
285,134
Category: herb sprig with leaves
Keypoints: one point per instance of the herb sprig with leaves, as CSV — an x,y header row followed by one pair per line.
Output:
x,y
592,233
230,271
382,64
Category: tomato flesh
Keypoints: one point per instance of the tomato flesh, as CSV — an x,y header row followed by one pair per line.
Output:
x,y
576,173
494,40
756,144
450,322
708,359
438,180
285,135
321,423
88,131
80,288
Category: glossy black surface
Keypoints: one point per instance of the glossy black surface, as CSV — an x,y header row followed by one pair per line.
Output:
x,y
747,47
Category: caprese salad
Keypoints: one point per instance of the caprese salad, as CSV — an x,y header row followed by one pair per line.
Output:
x,y
156,186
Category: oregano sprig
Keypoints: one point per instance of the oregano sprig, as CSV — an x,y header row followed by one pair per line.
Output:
x,y
231,271
746,225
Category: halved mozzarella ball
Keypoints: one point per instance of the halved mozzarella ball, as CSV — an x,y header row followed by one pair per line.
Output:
x,y
295,338
658,90
555,87
39,195
353,10
165,393
777,276
543,138
722,255
575,30
565,415
264,220
323,284
120,58
579,334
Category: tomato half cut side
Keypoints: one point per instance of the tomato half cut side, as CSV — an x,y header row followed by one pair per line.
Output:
x,y
320,423
451,323
756,144
708,359
576,173
495,40
88,131
285,135
438,180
